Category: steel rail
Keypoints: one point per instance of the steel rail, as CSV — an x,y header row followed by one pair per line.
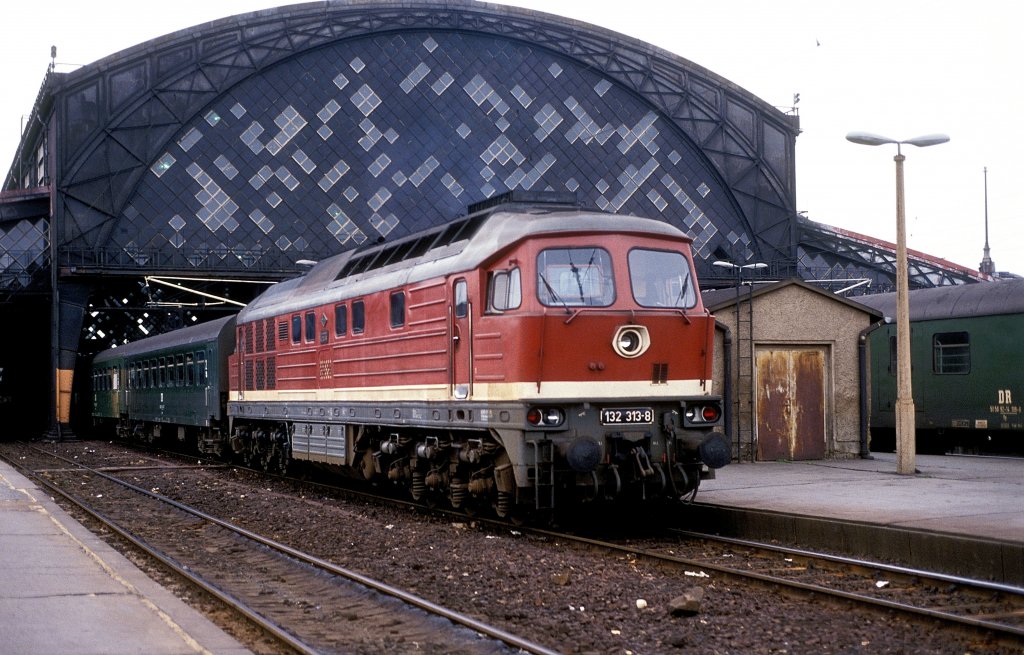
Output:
x,y
1000,628
271,628
406,597
852,561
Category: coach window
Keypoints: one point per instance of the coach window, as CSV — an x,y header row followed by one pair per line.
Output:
x,y
397,309
504,291
310,326
161,365
201,365
179,365
892,355
575,277
358,317
340,320
296,328
951,353
190,370
461,299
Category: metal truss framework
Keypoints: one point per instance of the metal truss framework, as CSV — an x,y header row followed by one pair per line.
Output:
x,y
828,253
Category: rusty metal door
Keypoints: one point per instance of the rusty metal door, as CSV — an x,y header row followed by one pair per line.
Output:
x,y
790,404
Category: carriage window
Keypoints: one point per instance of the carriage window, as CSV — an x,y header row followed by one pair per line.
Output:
x,y
661,278
190,370
296,328
575,277
358,317
310,326
951,353
397,309
179,375
162,366
201,365
504,291
892,355
340,320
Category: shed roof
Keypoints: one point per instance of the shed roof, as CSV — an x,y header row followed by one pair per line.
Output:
x,y
717,299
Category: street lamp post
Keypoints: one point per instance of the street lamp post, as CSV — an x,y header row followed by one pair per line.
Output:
x,y
905,419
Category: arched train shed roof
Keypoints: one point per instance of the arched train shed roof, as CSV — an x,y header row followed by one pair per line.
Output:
x,y
298,132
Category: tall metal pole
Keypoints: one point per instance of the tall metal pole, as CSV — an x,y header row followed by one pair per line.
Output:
x,y
905,419
987,266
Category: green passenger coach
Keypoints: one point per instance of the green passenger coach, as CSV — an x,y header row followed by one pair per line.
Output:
x,y
967,367
166,382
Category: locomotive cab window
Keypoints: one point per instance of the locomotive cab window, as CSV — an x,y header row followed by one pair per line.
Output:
x,y
575,277
951,353
296,328
504,291
461,299
397,309
660,278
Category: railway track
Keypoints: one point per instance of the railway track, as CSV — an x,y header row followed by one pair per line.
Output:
x,y
304,603
523,579
977,604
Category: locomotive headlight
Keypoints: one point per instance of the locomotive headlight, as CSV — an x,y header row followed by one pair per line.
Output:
x,y
545,417
631,341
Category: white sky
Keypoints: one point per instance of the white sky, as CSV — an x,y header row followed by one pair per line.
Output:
x,y
900,68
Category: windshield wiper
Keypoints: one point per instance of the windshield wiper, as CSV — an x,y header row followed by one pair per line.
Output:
x,y
554,296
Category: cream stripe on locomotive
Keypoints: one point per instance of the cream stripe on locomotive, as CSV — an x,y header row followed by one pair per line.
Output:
x,y
527,391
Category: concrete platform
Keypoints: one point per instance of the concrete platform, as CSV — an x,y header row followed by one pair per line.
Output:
x,y
959,514
63,590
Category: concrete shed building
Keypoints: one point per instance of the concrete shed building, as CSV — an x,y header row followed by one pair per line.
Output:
x,y
787,360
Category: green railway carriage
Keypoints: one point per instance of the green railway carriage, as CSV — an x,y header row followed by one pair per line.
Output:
x,y
968,367
175,381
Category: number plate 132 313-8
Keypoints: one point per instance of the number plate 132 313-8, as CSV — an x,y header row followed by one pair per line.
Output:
x,y
627,416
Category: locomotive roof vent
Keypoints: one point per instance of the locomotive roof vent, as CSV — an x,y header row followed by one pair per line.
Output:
x,y
546,199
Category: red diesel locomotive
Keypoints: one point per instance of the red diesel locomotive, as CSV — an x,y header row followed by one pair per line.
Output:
x,y
517,358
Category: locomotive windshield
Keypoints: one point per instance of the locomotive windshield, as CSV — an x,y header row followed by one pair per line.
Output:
x,y
661,279
575,277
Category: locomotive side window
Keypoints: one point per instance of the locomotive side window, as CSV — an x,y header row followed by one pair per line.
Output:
x,y
461,299
296,328
340,320
661,278
577,277
310,326
951,353
504,291
397,309
358,317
